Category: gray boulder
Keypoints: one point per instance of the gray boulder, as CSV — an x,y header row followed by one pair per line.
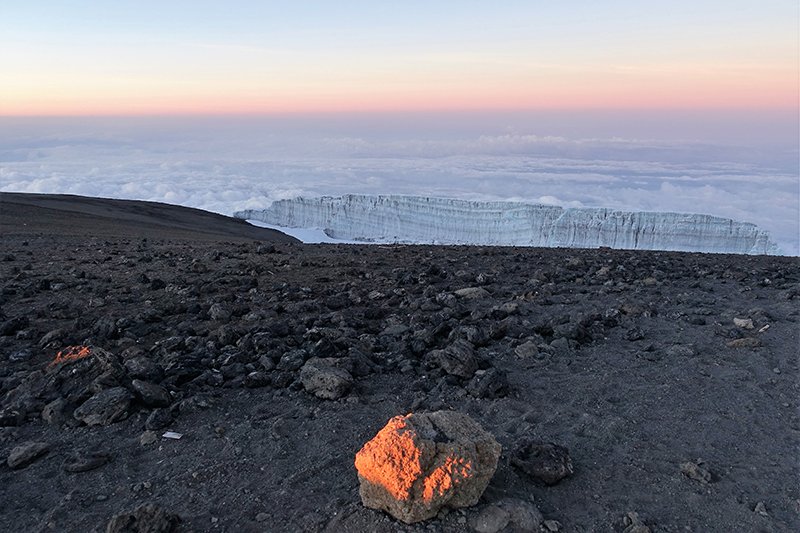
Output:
x,y
106,407
325,379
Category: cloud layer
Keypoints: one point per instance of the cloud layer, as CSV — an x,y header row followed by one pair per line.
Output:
x,y
248,168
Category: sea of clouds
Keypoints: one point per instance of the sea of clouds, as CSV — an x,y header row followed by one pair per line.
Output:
x,y
225,165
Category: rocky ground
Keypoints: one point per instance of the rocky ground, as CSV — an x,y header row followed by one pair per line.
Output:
x,y
670,378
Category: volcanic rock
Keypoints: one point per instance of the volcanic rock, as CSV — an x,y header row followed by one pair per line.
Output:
x,y
151,394
292,360
546,462
147,518
158,419
53,412
26,453
491,520
85,461
255,380
633,524
527,349
472,293
143,368
746,342
219,313
105,407
523,515
508,515
420,463
458,359
11,326
696,471
321,377
490,383
634,334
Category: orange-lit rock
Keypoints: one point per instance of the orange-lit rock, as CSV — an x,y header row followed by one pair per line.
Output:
x,y
71,353
422,462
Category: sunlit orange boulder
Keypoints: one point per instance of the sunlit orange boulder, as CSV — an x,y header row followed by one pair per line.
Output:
x,y
419,463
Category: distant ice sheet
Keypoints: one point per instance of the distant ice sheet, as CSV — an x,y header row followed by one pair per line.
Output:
x,y
306,235
425,220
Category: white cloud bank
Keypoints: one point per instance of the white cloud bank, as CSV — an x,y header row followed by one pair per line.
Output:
x,y
230,169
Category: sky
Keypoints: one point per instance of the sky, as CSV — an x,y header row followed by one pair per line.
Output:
x,y
235,56
687,106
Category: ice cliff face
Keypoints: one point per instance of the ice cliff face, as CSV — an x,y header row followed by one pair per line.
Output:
x,y
445,221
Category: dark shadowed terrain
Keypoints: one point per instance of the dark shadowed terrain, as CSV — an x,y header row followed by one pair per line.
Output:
x,y
671,378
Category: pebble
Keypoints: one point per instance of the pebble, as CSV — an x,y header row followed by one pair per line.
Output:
x,y
747,342
761,509
543,461
552,525
26,453
491,519
147,438
85,461
694,470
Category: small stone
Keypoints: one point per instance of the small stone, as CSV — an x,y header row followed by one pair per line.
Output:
x,y
152,395
256,379
490,384
458,359
105,407
217,312
158,419
292,360
11,326
262,517
552,525
546,462
26,453
679,350
526,350
51,336
143,368
395,331
472,293
491,520
523,515
746,342
322,378
694,470
147,438
744,323
421,463
86,461
634,334
147,518
761,509
53,412
633,524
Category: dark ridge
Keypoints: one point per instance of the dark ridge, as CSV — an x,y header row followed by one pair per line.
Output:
x,y
66,214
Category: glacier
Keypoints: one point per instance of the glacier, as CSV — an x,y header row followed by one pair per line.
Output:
x,y
424,220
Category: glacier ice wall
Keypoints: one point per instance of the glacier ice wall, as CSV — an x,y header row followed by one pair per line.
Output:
x,y
448,221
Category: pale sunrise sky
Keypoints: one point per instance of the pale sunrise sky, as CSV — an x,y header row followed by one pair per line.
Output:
x,y
235,56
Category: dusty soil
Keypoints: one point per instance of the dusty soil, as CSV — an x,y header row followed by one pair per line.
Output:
x,y
630,360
